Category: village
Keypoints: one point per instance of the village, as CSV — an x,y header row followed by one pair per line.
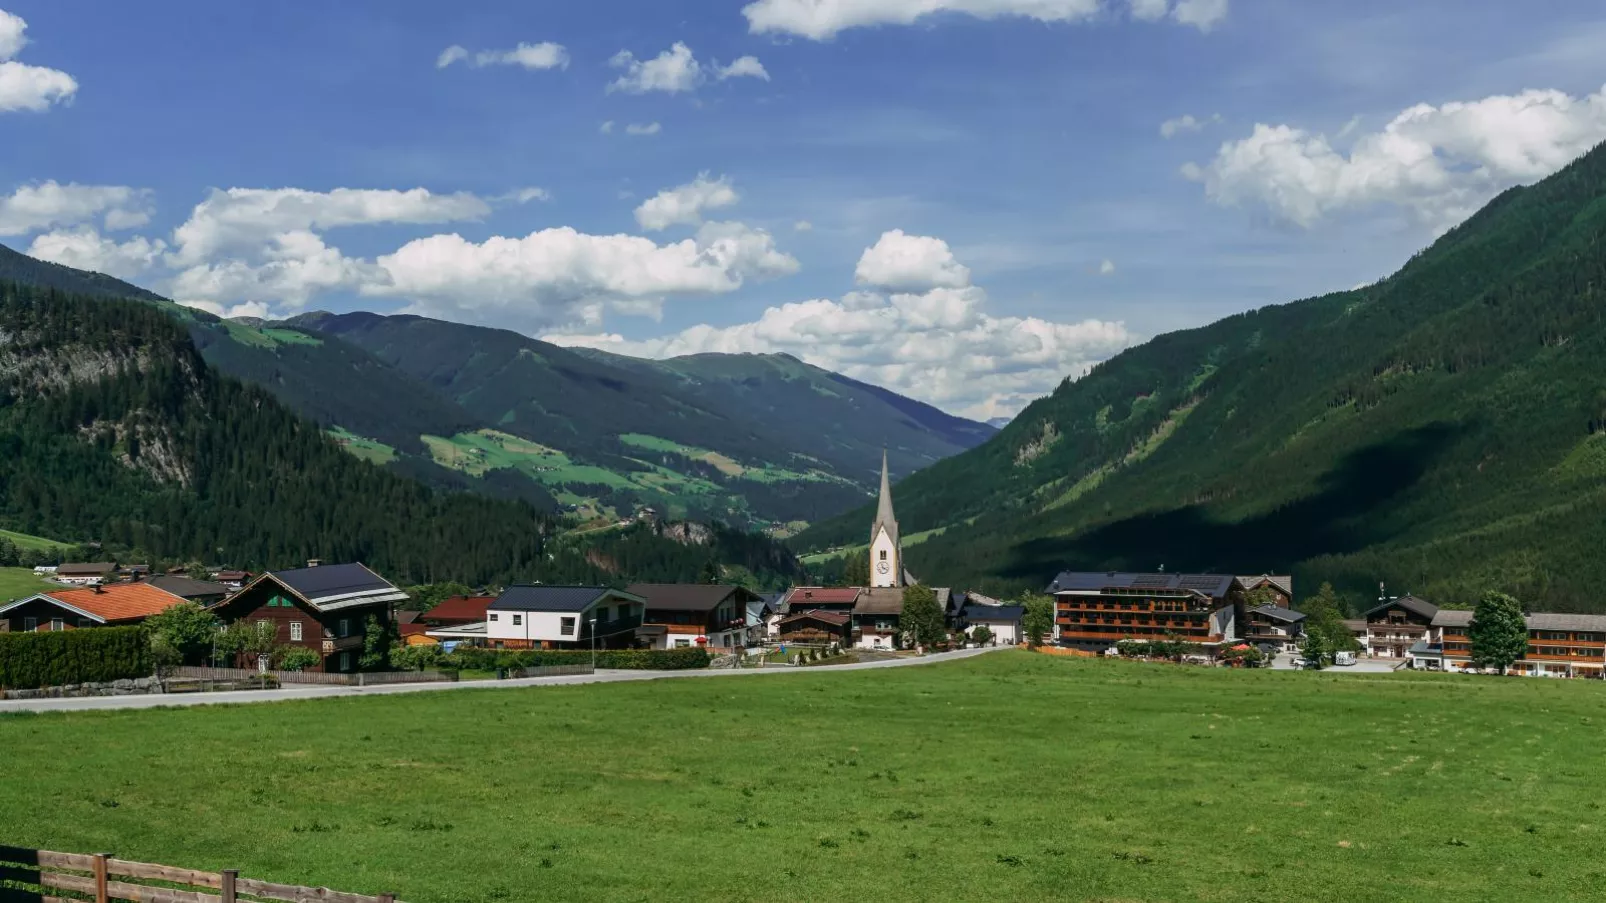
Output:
x,y
345,619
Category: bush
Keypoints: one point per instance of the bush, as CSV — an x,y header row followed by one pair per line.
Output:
x,y
29,661
298,658
471,658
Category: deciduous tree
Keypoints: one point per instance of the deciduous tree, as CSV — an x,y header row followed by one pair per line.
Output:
x,y
1499,632
922,616
1038,620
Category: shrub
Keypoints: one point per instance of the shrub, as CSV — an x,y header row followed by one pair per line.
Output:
x,y
29,661
468,657
298,658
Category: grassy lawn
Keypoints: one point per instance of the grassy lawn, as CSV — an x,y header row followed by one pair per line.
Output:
x,y
15,583
1008,776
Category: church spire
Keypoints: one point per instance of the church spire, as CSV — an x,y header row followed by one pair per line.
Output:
x,y
886,551
883,515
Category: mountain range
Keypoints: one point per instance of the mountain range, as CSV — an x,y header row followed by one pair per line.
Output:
x,y
117,436
759,440
1441,431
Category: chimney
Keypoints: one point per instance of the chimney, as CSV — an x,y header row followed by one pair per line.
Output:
x,y
314,562
96,588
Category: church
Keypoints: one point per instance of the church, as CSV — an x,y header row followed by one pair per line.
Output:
x,y
877,612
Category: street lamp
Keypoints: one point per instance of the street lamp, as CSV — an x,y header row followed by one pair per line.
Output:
x,y
593,644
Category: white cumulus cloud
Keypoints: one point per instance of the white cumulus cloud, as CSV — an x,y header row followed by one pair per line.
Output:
x,y
545,55
938,344
1186,123
560,277
25,87
647,128
676,71
50,204
1106,267
246,218
1440,163
822,20
685,204
910,263
451,55
742,67
86,249
1201,14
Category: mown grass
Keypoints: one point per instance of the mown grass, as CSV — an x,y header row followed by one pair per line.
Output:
x,y
1005,777
17,583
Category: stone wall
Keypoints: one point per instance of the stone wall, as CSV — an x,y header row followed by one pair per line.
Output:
x,y
133,687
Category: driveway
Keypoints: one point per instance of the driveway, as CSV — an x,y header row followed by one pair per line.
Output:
x,y
1285,662
156,700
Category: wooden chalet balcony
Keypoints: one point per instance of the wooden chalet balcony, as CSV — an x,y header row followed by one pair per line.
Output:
x,y
1596,657
342,644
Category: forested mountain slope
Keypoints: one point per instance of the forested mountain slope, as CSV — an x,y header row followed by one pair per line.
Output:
x,y
737,437
1443,430
113,429
757,440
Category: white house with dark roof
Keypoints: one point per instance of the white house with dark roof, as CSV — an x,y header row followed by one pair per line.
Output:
x,y
558,617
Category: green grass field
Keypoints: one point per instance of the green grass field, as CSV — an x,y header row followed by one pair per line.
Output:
x,y
36,543
16,583
1005,777
370,450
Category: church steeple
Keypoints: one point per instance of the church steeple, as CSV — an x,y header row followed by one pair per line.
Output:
x,y
886,550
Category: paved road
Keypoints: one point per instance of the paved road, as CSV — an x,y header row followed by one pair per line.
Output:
x,y
1285,662
154,700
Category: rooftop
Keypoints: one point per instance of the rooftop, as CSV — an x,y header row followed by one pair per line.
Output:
x,y
1008,613
111,604
460,608
1279,613
1215,586
186,587
1420,607
687,596
886,600
823,595
829,617
85,570
557,598
339,585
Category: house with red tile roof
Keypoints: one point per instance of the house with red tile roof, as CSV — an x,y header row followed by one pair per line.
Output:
x,y
457,611
117,604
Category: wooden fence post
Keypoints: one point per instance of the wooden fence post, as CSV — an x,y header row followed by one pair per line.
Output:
x,y
101,895
229,877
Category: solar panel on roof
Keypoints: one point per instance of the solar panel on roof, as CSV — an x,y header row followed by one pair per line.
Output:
x,y
1151,580
1200,582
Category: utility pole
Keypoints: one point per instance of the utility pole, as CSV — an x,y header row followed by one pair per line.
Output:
x,y
593,644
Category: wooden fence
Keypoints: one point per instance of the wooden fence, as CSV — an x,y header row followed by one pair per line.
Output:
x,y
100,877
360,679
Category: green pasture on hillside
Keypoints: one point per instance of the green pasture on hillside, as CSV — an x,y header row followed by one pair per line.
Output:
x,y
15,583
36,543
1010,776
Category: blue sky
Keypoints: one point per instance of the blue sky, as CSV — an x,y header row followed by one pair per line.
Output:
x,y
990,203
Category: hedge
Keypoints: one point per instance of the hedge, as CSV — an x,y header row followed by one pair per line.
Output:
x,y
30,661
630,659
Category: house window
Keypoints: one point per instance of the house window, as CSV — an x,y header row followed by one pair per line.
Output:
x,y
495,616
883,554
566,627
602,613
344,630
345,661
56,624
295,631
85,622
30,624
518,620
682,644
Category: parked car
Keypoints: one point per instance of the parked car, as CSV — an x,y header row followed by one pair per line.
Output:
x,y
1344,658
